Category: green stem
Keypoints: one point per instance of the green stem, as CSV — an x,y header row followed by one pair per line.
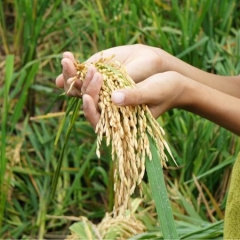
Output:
x,y
160,194
75,104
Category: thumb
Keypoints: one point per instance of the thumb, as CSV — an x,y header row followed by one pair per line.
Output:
x,y
128,97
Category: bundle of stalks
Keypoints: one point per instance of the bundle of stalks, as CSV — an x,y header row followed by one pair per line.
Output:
x,y
135,136
127,129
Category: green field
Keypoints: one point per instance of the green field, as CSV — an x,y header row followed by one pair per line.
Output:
x,y
33,36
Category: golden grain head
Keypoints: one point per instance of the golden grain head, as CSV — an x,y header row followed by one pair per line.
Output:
x,y
126,128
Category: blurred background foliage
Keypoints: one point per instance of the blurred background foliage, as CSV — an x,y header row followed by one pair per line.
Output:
x,y
33,36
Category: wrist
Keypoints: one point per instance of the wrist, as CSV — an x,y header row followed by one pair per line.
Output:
x,y
166,60
186,95
196,95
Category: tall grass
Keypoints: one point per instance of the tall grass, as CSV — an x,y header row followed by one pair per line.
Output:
x,y
4,174
33,36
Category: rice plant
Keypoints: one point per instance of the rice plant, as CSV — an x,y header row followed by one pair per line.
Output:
x,y
32,38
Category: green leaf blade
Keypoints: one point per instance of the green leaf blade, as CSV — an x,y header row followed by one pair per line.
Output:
x,y
160,194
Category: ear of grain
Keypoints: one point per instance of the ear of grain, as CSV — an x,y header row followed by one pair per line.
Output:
x,y
135,136
120,227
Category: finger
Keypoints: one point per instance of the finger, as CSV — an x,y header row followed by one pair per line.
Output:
x,y
60,81
94,87
91,71
69,69
73,92
90,110
77,83
133,97
130,97
69,55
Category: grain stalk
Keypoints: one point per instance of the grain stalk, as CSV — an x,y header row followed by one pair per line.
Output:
x,y
135,136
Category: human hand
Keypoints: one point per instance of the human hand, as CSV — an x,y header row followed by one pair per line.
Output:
x,y
140,61
160,92
68,71
89,88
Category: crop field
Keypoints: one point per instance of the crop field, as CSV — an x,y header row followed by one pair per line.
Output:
x,y
33,36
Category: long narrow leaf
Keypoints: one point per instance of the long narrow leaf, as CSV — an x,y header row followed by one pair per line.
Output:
x,y
3,160
76,105
160,194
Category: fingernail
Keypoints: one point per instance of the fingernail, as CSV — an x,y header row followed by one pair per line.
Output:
x,y
118,97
